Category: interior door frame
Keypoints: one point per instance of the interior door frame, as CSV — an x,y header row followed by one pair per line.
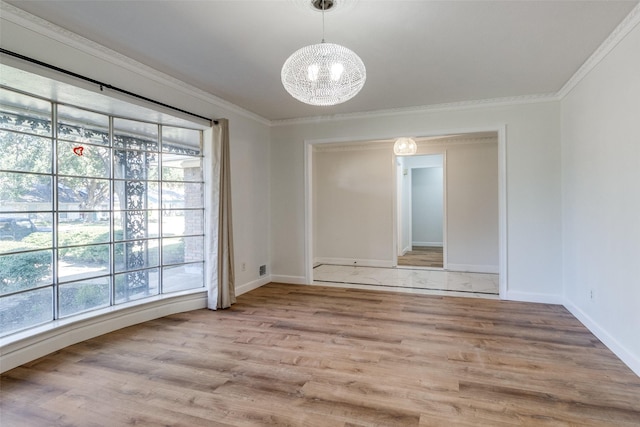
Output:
x,y
501,130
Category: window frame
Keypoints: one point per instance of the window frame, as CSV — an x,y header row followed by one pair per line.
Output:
x,y
56,282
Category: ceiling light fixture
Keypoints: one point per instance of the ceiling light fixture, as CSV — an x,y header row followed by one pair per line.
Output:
x,y
405,147
325,73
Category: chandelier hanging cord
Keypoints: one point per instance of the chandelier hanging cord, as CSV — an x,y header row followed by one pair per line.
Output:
x,y
323,20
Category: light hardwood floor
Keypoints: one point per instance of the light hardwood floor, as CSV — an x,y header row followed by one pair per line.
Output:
x,y
423,256
320,356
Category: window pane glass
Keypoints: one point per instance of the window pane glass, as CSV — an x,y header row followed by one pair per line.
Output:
x,y
173,251
135,135
181,168
181,141
85,295
25,270
82,262
24,310
135,225
83,194
182,222
183,249
25,153
136,255
178,195
24,113
181,277
134,142
135,195
193,249
25,192
19,233
83,160
136,285
135,165
78,232
82,126
16,228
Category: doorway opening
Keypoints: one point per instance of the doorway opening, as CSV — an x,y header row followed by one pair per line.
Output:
x,y
352,233
421,211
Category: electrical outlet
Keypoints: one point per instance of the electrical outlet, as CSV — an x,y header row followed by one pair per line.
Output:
x,y
243,266
263,270
591,295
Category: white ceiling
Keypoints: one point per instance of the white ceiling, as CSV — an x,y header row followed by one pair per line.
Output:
x,y
417,53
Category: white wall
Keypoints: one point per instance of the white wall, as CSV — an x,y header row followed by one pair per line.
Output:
x,y
601,199
404,236
427,194
353,204
532,173
403,206
472,206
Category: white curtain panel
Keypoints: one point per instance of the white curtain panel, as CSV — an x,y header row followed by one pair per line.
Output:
x,y
219,267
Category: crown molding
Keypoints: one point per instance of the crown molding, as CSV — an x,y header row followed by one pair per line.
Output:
x,y
38,25
353,146
448,141
452,106
438,141
618,34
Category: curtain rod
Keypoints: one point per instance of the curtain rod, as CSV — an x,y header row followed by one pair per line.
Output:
x,y
102,85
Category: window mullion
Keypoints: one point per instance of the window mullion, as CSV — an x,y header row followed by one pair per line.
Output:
x,y
112,232
160,214
55,210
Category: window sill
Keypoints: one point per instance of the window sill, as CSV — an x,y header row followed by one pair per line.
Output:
x,y
22,347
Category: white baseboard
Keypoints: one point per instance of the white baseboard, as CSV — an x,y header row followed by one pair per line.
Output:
x,y
469,268
290,280
18,349
534,297
356,262
405,250
432,244
243,289
627,357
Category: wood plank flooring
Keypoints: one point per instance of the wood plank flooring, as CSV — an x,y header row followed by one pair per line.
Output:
x,y
291,355
423,256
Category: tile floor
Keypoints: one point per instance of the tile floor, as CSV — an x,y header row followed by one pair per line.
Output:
x,y
409,279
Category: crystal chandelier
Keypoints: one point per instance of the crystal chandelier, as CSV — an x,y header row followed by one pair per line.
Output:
x,y
324,73
405,147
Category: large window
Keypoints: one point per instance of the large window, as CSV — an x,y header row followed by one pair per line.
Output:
x,y
95,210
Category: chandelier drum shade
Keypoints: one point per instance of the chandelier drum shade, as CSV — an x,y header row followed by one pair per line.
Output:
x,y
324,73
405,147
